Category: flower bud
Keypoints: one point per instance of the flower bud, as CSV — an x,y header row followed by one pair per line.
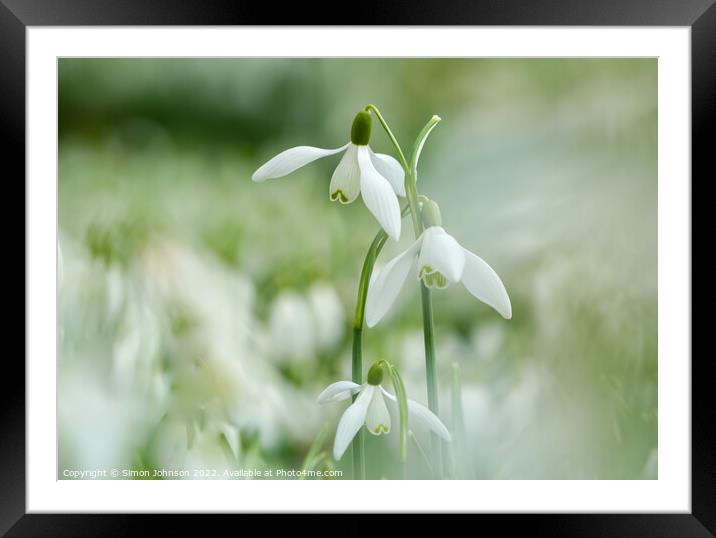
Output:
x,y
360,131
431,214
375,374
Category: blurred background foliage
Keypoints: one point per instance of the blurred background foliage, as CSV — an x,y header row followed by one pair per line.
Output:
x,y
201,314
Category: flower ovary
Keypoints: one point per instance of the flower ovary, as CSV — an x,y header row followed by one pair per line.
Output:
x,y
360,130
375,374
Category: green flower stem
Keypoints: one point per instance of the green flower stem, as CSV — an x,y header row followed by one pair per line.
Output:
x,y
375,247
357,363
402,398
429,339
431,376
411,175
420,141
359,439
411,191
462,463
390,134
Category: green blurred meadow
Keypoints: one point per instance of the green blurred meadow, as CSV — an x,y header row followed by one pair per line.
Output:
x,y
201,314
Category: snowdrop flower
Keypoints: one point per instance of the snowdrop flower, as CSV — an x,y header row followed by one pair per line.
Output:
x,y
441,261
376,176
370,409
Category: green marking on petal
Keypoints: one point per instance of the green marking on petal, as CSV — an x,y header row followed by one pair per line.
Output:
x,y
339,196
425,270
432,278
380,428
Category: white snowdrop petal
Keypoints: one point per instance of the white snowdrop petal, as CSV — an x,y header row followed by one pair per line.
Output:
x,y
390,169
420,413
482,281
345,182
335,392
383,290
292,159
378,195
352,421
442,253
377,420
423,415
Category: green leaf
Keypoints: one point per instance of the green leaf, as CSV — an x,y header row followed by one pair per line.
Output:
x,y
311,456
463,469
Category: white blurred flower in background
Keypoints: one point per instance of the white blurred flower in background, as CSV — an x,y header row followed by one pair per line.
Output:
x,y
101,428
111,392
328,316
486,339
172,334
291,328
219,356
299,326
182,446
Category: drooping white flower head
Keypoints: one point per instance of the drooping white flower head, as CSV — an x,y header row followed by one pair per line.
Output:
x,y
440,262
376,176
370,409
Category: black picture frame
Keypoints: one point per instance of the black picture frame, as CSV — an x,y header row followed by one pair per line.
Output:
x,y
17,15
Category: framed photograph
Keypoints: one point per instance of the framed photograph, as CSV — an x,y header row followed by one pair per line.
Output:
x,y
435,262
